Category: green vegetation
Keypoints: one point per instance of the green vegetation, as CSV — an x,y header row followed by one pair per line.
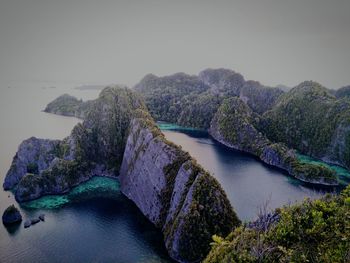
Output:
x,y
309,119
191,101
313,231
168,98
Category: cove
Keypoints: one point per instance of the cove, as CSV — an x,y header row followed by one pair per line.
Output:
x,y
248,182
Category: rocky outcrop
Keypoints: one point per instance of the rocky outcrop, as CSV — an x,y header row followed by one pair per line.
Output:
x,y
235,125
33,156
94,148
173,192
11,216
33,221
68,105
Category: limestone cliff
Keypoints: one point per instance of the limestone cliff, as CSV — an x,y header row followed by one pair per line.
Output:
x,y
235,125
173,192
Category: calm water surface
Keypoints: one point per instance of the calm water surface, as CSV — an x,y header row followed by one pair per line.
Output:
x,y
107,227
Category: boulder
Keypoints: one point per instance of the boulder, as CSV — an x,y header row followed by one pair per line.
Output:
x,y
11,216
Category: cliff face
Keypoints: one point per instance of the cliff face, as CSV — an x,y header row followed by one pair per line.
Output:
x,y
236,126
173,192
94,147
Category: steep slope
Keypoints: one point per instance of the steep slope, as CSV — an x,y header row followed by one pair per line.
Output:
x,y
235,125
311,120
173,192
94,147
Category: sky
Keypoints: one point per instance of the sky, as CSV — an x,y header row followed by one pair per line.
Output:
x,y
99,42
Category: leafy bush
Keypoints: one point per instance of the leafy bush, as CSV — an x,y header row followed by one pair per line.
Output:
x,y
313,231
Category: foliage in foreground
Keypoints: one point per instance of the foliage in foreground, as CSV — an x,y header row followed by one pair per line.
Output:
x,y
314,231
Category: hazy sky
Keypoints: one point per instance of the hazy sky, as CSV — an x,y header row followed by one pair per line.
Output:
x,y
82,41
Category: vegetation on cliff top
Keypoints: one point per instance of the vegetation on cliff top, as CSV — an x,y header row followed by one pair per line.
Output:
x,y
313,231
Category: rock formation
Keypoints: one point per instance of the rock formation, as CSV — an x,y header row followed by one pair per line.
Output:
x,y
11,216
173,191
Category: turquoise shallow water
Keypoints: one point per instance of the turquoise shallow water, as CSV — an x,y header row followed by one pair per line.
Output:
x,y
166,126
95,187
342,173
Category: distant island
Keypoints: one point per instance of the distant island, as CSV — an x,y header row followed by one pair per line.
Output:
x,y
119,139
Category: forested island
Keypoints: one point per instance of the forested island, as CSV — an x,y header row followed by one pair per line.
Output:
x,y
119,138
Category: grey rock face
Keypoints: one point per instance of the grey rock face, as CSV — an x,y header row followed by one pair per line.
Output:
x,y
170,189
33,156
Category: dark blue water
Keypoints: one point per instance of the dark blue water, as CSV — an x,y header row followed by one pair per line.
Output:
x,y
248,183
105,226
